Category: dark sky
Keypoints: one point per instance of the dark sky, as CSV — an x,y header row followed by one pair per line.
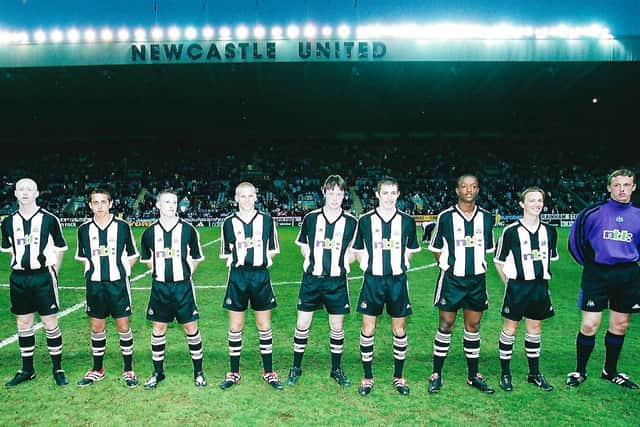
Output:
x,y
622,17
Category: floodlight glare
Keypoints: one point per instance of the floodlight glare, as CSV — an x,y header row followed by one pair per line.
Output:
x,y
56,36
327,31
344,31
157,33
89,35
207,33
293,31
242,32
73,35
190,33
310,31
174,33
106,35
123,34
140,34
40,36
259,32
276,32
225,33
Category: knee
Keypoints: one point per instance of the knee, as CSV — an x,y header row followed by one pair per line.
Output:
x,y
368,331
445,326
399,331
509,330
619,326
263,325
589,327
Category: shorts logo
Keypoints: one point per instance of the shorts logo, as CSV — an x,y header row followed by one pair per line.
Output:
x,y
590,303
617,235
127,308
228,301
506,310
347,306
443,301
408,306
194,312
150,312
53,306
635,307
363,304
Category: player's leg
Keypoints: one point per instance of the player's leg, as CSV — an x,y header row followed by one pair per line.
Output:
x,y
158,345
54,345
27,344
441,346
532,345
613,341
265,335
98,347
400,344
585,342
126,349
300,340
194,341
367,334
234,338
471,343
336,343
505,345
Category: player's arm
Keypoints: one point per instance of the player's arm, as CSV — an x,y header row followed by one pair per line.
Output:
x,y
500,270
60,245
130,247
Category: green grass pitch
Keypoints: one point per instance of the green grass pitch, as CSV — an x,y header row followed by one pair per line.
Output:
x,y
316,399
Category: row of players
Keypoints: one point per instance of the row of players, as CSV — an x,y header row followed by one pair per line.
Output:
x,y
330,239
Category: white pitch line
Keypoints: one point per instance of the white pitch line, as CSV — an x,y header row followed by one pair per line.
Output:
x,y
39,325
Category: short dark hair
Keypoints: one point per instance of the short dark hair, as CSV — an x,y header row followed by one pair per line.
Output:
x,y
100,190
621,172
387,180
333,181
467,175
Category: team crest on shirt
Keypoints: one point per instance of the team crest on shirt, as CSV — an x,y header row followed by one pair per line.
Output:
x,y
619,219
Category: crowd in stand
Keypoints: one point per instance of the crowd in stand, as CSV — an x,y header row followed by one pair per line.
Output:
x,y
288,176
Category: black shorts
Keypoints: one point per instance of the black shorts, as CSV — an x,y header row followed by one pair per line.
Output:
x,y
377,291
616,287
468,292
106,299
527,298
172,300
330,292
34,291
249,285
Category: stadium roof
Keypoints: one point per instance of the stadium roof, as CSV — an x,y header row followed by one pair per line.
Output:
x,y
584,90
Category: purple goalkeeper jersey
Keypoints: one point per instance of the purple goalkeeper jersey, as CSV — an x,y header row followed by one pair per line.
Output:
x,y
606,233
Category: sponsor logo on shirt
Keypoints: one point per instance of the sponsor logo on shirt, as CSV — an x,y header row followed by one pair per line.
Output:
x,y
617,235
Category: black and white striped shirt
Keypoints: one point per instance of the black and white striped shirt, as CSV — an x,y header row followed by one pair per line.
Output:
x,y
249,244
33,242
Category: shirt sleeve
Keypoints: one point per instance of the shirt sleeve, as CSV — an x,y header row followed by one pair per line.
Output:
x,y
146,244
412,236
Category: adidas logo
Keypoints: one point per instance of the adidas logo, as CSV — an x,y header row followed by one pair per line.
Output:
x,y
127,309
53,306
194,312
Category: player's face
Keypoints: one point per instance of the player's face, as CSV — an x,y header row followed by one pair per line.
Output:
x,y
333,197
533,203
388,196
100,205
621,188
167,204
246,198
26,192
468,189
